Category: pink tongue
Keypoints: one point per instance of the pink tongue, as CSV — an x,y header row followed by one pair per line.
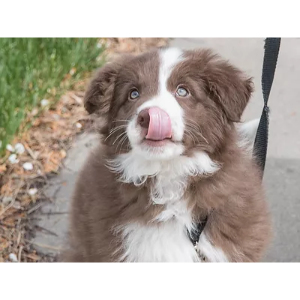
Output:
x,y
159,126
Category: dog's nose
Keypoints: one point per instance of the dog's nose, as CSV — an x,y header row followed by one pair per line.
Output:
x,y
157,122
144,118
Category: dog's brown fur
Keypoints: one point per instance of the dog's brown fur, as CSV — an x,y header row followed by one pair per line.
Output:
x,y
233,198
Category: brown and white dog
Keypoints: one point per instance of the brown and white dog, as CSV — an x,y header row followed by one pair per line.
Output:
x,y
170,156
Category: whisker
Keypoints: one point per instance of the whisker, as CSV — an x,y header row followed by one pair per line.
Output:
x,y
118,128
194,123
204,138
120,135
196,127
123,140
189,134
194,136
119,143
192,129
120,121
115,130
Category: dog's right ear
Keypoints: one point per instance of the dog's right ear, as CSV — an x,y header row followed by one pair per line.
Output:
x,y
99,94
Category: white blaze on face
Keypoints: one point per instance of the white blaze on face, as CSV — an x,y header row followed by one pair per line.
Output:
x,y
166,101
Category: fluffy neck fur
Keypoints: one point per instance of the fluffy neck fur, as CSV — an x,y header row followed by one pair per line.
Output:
x,y
135,169
168,181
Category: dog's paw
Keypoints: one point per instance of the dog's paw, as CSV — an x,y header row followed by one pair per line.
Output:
x,y
208,252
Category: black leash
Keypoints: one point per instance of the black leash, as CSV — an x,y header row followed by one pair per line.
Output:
x,y
260,147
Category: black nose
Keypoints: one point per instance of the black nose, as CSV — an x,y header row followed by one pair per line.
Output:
x,y
144,118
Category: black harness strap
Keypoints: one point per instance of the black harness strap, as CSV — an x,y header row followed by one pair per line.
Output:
x,y
260,147
194,235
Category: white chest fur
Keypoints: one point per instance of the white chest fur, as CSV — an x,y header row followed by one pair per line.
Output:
x,y
165,238
163,242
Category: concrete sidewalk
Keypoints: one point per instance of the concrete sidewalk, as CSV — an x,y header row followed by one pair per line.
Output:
x,y
282,175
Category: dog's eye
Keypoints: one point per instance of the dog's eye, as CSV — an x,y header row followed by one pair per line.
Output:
x,y
134,94
182,92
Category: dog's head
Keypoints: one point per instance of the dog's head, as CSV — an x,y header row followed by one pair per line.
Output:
x,y
168,103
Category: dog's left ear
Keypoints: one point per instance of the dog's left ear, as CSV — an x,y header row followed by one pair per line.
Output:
x,y
229,88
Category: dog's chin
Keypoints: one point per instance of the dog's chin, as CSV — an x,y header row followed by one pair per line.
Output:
x,y
148,149
159,150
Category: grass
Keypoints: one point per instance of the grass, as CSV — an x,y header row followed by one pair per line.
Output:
x,y
32,69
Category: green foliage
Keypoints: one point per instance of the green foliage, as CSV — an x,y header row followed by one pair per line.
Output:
x,y
32,69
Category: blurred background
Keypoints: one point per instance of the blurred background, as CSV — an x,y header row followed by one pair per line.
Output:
x,y
43,139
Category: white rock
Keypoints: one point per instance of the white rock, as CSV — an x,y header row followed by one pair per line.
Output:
x,y
44,102
78,125
32,191
17,205
7,199
28,166
13,159
10,148
12,257
34,112
19,148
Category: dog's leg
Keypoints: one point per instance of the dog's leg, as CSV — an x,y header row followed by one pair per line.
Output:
x,y
225,239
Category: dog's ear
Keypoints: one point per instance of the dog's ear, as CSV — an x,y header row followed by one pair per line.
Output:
x,y
227,86
100,91
230,88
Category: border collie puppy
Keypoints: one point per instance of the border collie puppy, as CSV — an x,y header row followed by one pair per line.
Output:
x,y
170,157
